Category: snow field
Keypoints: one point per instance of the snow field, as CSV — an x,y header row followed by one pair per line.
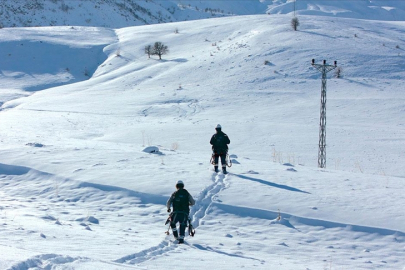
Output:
x,y
78,191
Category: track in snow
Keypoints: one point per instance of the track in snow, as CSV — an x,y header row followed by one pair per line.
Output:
x,y
198,212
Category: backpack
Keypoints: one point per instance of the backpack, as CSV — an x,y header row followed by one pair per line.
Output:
x,y
218,140
219,143
181,201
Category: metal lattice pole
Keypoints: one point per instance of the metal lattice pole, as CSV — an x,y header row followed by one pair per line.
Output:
x,y
324,69
294,8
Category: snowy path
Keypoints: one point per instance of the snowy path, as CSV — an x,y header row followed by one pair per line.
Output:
x,y
198,213
207,198
63,194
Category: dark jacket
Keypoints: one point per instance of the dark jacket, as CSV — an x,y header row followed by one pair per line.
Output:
x,y
219,142
181,200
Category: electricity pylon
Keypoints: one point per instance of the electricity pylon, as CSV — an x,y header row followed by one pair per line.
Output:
x,y
324,69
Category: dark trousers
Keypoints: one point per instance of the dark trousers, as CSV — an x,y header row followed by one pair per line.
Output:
x,y
223,160
182,218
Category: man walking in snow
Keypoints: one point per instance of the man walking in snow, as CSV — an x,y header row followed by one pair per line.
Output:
x,y
219,142
181,201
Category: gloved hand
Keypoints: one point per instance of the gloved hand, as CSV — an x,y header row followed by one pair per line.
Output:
x,y
169,210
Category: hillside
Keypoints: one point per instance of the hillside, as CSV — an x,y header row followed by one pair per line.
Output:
x,y
233,64
79,191
117,14
123,13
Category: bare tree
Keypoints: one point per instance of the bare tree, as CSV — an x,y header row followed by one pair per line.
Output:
x,y
160,49
148,50
295,23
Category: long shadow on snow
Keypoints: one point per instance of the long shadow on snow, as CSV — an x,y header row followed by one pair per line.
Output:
x,y
270,215
252,212
144,197
13,170
200,247
178,60
21,60
271,184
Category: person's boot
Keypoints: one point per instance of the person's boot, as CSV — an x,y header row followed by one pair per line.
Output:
x,y
216,168
181,239
224,170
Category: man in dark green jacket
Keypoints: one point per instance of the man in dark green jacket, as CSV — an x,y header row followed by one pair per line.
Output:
x,y
181,200
219,142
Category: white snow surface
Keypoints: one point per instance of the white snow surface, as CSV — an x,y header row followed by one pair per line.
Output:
x,y
119,13
94,135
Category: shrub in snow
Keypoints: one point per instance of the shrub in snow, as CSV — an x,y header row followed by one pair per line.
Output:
x,y
160,49
157,49
148,50
175,146
295,23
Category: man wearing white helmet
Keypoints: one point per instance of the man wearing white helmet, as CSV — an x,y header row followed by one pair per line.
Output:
x,y
181,201
219,142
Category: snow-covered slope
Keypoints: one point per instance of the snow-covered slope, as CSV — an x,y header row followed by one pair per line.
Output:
x,y
122,13
116,14
78,191
386,10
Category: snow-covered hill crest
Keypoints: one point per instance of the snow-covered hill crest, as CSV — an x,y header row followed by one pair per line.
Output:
x,y
117,14
384,10
122,13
